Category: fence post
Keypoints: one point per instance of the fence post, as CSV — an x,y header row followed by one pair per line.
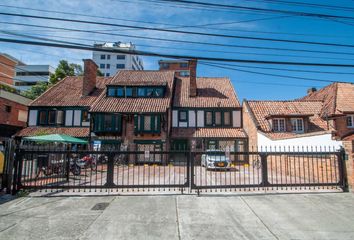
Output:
x,y
264,165
110,171
342,171
191,166
16,172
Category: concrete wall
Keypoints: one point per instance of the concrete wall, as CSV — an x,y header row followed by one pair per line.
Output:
x,y
322,142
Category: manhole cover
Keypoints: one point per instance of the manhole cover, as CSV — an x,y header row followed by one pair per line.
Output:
x,y
100,206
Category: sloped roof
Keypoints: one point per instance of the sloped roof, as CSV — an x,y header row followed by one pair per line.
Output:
x,y
68,92
136,105
71,131
337,98
208,133
261,110
211,92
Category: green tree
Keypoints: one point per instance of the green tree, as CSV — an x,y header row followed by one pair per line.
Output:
x,y
65,69
36,90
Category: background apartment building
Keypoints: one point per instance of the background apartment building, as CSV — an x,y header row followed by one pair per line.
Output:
x,y
181,67
29,75
110,63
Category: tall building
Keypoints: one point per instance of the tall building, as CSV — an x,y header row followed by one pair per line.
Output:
x,y
29,75
181,67
110,63
7,68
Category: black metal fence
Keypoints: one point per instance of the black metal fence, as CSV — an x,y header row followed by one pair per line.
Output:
x,y
50,169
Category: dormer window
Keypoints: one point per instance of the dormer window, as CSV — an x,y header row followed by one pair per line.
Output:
x,y
350,121
279,125
143,92
297,125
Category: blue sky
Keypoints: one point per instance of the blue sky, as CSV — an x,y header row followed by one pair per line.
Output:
x,y
247,85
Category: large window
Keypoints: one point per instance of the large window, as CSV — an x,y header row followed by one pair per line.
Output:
x,y
350,121
107,123
120,57
42,117
147,123
51,117
120,66
218,118
143,92
297,125
103,56
102,65
279,125
182,116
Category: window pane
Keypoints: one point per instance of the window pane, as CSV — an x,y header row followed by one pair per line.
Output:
x,y
103,56
158,92
120,92
51,117
102,65
117,122
42,117
350,121
149,92
108,66
120,66
141,92
209,118
227,116
111,92
107,122
120,56
217,118
85,116
281,125
300,124
147,123
129,92
108,56
293,125
60,117
182,115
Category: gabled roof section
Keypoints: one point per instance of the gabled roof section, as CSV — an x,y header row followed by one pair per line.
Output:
x,y
68,92
262,110
337,98
211,92
137,105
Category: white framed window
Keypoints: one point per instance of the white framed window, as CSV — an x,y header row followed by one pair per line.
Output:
x,y
297,125
350,121
279,125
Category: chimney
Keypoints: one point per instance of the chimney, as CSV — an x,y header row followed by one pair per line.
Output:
x,y
192,77
311,90
89,81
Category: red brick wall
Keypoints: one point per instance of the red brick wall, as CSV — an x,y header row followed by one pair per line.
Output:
x,y
349,150
7,69
12,117
250,128
340,124
89,81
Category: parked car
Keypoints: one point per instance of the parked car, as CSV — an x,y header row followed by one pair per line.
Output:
x,y
215,159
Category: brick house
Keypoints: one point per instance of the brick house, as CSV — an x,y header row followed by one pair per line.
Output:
x,y
13,113
7,69
295,124
338,108
206,114
64,108
135,110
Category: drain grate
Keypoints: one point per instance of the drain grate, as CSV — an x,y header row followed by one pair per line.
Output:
x,y
100,206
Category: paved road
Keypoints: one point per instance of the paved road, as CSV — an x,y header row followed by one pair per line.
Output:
x,y
281,216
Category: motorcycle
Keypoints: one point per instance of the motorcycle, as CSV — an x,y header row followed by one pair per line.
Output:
x,y
89,161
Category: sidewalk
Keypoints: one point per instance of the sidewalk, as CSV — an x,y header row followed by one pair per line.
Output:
x,y
273,216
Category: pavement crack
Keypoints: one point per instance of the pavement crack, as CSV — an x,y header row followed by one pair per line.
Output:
x,y
3,230
265,225
177,219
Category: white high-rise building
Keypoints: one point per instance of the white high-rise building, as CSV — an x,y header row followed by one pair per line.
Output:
x,y
110,63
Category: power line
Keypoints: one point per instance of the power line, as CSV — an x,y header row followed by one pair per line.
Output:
x,y
152,54
269,74
179,31
283,69
304,4
307,14
201,26
161,47
182,41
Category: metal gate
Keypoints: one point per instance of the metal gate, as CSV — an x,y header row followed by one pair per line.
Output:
x,y
185,171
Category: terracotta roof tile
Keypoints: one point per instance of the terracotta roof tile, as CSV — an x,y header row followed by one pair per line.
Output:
x,y
211,92
337,98
67,92
208,133
136,105
71,131
261,110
